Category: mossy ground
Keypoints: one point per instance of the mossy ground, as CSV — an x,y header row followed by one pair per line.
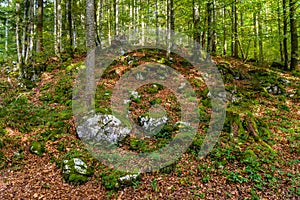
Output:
x,y
256,156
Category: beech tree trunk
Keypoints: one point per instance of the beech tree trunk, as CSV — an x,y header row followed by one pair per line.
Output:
x,y
294,35
18,42
116,8
224,33
25,30
214,32
39,44
209,26
90,26
236,47
279,31
31,27
90,61
285,51
261,54
70,27
156,22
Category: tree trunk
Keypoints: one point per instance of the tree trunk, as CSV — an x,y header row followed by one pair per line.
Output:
x,y
143,26
255,30
209,25
171,25
236,45
279,31
261,54
20,60
214,32
31,30
25,30
285,50
100,19
294,35
90,28
116,8
197,34
59,27
70,28
6,36
39,45
55,27
224,33
232,29
156,22
90,61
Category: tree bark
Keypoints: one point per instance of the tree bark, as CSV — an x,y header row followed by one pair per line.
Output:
x,y
261,54
224,33
236,45
209,25
19,52
232,29
255,30
116,8
39,44
285,50
156,22
90,26
25,30
90,61
59,27
214,32
70,28
294,35
279,31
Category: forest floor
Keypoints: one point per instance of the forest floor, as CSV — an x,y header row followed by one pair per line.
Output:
x,y
256,157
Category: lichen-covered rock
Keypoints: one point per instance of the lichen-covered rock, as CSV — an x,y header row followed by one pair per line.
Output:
x,y
274,89
128,179
152,124
103,128
75,171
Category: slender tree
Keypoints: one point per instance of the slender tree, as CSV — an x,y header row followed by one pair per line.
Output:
x,y
255,31
90,26
70,27
235,28
285,48
294,35
18,39
279,31
39,44
116,9
90,45
260,41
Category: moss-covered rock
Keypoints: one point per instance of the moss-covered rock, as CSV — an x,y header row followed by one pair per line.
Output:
x,y
76,171
234,125
37,148
243,125
114,180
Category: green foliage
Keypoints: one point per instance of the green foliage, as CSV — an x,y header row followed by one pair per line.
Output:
x,y
155,101
19,113
37,148
63,91
110,181
137,144
154,185
165,132
153,88
236,177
